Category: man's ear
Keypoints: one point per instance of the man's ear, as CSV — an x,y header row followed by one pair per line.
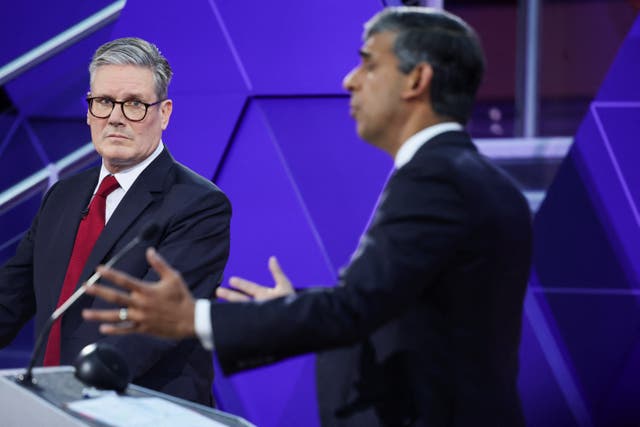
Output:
x,y
88,113
165,109
418,81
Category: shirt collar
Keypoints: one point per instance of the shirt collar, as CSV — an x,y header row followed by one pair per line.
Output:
x,y
417,140
127,177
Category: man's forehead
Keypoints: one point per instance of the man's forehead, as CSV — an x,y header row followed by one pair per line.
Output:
x,y
123,72
378,43
131,78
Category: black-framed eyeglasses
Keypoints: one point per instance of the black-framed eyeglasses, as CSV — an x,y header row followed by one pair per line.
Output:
x,y
134,110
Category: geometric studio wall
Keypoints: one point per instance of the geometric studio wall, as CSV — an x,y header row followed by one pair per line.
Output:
x,y
259,108
587,263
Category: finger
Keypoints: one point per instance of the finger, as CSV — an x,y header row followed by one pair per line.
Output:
x,y
110,316
157,262
110,295
119,329
231,296
121,279
276,271
250,288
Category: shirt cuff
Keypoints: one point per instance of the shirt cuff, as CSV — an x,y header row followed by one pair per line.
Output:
x,y
202,323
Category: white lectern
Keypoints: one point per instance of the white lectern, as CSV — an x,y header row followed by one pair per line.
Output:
x,y
46,403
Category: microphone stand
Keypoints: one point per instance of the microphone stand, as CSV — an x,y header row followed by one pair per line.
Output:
x,y
27,378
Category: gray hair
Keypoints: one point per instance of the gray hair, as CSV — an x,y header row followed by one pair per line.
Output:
x,y
445,42
134,51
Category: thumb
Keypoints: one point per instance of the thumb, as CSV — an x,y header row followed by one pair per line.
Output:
x,y
277,273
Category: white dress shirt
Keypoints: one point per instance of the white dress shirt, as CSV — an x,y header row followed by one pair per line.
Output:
x,y
125,178
409,148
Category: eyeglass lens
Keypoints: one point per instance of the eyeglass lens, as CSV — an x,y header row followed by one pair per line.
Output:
x,y
132,110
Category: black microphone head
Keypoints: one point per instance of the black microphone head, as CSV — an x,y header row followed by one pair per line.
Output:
x,y
149,232
101,366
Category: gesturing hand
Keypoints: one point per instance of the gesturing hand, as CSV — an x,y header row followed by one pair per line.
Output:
x,y
247,290
164,308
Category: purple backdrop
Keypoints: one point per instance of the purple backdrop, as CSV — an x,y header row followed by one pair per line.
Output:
x,y
259,108
586,256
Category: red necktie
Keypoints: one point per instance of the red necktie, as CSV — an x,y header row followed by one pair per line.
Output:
x,y
89,229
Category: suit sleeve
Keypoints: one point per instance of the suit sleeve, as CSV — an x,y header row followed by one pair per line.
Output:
x,y
197,245
17,297
420,222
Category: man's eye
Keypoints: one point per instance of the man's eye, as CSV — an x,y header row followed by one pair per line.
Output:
x,y
367,64
103,101
134,103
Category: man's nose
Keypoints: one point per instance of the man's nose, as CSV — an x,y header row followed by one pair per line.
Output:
x,y
116,116
349,81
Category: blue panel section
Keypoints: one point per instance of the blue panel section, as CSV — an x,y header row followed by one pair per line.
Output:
x,y
598,331
26,24
620,406
601,168
194,43
7,123
13,226
618,86
297,47
279,394
339,176
587,237
224,392
542,399
270,218
302,398
18,353
18,158
567,228
60,137
58,86
200,128
620,124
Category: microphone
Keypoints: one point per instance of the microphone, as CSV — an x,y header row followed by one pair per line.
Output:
x,y
148,233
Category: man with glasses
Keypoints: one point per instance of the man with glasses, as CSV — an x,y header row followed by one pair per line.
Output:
x,y
87,218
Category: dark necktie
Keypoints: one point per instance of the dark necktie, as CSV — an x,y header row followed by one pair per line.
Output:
x,y
89,230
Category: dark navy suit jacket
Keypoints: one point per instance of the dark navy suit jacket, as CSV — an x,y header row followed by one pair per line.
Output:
x,y
423,328
194,218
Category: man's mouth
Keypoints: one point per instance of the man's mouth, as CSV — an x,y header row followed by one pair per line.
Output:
x,y
117,136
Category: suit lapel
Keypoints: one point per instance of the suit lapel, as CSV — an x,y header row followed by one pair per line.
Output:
x,y
141,194
69,213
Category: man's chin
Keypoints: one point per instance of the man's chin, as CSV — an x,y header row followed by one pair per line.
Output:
x,y
362,133
117,162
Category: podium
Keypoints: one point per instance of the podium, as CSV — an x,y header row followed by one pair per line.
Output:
x,y
46,403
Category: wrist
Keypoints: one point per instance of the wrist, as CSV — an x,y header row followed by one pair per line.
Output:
x,y
188,327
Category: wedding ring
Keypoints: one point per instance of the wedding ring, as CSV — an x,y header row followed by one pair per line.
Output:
x,y
123,314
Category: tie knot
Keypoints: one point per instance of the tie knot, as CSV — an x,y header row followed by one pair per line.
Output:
x,y
108,184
